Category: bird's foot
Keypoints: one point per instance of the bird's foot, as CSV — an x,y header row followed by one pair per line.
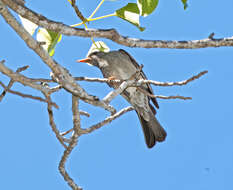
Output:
x,y
112,78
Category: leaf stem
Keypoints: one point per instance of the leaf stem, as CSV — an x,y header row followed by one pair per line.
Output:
x,y
96,9
92,19
101,17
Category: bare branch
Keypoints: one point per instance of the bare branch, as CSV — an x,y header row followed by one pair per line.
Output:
x,y
84,113
137,83
20,69
113,35
22,79
102,80
173,97
41,80
67,132
102,123
77,11
76,116
10,84
70,130
72,144
180,83
163,97
111,95
107,120
62,169
51,121
141,81
28,95
123,85
54,89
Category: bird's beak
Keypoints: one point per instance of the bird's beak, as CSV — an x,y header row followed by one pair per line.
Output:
x,y
86,60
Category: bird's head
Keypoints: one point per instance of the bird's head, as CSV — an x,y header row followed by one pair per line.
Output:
x,y
95,59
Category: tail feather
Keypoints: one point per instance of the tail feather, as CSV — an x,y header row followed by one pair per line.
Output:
x,y
152,129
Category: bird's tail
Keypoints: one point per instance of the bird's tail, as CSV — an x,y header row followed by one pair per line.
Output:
x,y
152,129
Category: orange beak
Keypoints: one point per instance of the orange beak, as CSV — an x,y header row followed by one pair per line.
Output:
x,y
86,60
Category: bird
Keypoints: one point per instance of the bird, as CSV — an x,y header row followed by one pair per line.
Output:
x,y
119,64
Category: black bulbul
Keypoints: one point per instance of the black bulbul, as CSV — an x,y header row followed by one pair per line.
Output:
x,y
121,65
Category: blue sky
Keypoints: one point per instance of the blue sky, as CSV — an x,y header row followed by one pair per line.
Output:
x,y
197,153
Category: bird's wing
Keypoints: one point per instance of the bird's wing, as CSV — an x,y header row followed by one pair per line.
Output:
x,y
149,89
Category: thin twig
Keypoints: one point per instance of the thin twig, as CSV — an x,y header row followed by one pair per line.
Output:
x,y
51,121
102,80
28,96
22,79
163,97
77,11
180,83
10,84
54,89
107,120
66,132
84,113
173,97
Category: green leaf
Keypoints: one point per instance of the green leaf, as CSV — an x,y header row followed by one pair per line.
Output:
x,y
28,25
146,7
185,3
130,13
50,38
98,46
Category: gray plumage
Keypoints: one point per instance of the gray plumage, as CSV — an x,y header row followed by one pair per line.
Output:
x,y
120,65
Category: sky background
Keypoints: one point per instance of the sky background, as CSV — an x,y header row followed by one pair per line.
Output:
x,y
197,154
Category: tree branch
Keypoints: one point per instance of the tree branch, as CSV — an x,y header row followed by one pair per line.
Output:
x,y
113,35
22,79
72,144
179,83
102,123
60,74
111,95
136,83
63,171
163,97
51,121
77,11
132,82
28,95
10,84
107,120
171,97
